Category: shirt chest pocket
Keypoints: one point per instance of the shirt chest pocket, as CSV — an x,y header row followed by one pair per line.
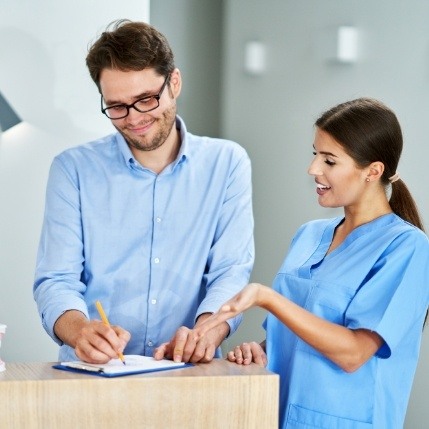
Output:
x,y
324,299
329,301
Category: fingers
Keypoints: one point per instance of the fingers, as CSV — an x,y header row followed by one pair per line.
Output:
x,y
161,352
258,354
236,355
123,335
204,352
247,353
242,354
185,345
180,348
98,343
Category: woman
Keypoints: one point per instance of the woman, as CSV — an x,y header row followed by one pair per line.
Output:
x,y
347,307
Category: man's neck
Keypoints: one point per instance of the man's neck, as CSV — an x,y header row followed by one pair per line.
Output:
x,y
156,160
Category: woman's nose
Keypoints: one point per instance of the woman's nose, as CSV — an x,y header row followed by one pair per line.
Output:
x,y
314,168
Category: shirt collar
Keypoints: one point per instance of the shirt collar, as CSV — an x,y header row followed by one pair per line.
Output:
x,y
184,145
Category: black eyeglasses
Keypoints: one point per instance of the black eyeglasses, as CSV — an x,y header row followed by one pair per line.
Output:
x,y
142,105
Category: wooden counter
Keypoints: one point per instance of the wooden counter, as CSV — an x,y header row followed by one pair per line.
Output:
x,y
217,395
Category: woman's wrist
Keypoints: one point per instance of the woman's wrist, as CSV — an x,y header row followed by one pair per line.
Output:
x,y
264,296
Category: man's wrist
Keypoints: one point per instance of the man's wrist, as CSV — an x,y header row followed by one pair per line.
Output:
x,y
67,326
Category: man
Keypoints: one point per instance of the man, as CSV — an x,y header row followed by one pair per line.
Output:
x,y
154,222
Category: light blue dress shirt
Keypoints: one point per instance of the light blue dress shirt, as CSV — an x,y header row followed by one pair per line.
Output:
x,y
157,250
377,279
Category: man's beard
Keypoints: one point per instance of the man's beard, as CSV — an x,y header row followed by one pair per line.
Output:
x,y
165,123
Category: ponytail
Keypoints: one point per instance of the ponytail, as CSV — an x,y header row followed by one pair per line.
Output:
x,y
402,203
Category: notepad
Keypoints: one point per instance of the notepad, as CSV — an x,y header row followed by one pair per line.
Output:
x,y
135,364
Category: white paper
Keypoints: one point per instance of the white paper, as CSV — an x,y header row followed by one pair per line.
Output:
x,y
133,363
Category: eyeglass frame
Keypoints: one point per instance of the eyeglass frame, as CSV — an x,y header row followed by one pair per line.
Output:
x,y
157,97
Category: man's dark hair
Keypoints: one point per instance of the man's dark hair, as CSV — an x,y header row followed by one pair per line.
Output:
x,y
126,46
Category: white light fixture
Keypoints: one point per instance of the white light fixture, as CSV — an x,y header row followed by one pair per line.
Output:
x,y
347,44
255,58
8,117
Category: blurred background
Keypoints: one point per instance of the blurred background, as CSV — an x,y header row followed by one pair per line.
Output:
x,y
255,72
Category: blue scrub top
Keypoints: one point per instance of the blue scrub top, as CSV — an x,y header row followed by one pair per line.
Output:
x,y
377,279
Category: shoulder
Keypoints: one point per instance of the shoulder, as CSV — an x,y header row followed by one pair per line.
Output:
x,y
311,233
317,226
212,146
390,239
402,232
220,159
88,152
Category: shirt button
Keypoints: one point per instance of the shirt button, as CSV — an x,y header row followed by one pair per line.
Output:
x,y
158,219
150,344
153,301
156,260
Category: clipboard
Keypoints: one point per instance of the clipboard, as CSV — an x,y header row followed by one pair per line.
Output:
x,y
135,364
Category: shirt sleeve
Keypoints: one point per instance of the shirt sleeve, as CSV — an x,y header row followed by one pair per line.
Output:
x,y
395,297
57,286
231,256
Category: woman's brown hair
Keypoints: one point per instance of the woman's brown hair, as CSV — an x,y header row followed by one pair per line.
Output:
x,y
369,131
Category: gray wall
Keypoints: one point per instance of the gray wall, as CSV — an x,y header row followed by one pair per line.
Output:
x,y
194,30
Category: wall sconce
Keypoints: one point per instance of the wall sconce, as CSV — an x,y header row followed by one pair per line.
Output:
x,y
339,44
8,117
254,58
347,44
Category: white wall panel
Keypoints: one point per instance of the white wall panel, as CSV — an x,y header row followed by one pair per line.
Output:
x,y
43,45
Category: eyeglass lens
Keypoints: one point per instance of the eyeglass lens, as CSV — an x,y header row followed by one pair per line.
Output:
x,y
143,105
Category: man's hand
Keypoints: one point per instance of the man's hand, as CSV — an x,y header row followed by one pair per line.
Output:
x,y
93,341
184,346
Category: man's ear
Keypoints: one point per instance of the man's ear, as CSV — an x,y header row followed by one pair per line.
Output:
x,y
175,83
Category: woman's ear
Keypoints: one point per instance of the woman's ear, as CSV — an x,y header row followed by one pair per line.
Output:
x,y
374,171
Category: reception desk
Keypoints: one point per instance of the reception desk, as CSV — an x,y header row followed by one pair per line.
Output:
x,y
220,395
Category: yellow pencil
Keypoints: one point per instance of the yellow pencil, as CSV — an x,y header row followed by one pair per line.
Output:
x,y
106,322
